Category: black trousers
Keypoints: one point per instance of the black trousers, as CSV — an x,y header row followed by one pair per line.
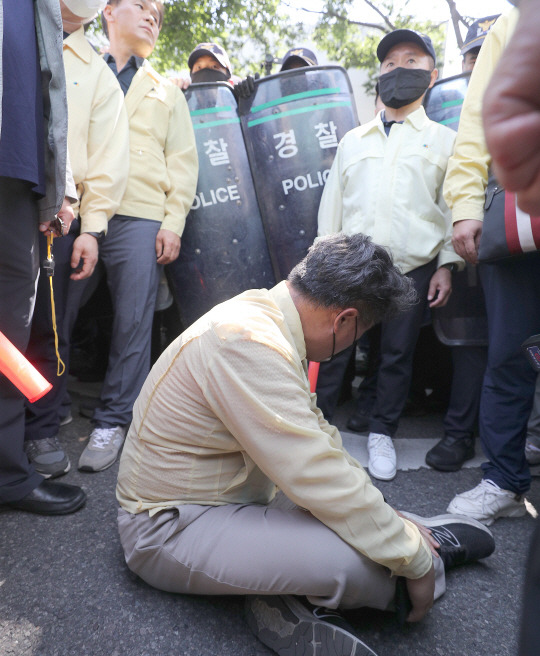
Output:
x,y
398,339
19,266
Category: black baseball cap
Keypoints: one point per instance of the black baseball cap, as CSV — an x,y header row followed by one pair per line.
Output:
x,y
212,49
477,32
401,36
306,55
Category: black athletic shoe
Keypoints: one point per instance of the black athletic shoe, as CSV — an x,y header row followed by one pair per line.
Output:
x,y
292,628
463,540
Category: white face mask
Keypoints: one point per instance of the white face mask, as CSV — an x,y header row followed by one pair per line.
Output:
x,y
86,9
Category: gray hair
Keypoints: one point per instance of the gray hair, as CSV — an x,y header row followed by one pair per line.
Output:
x,y
342,271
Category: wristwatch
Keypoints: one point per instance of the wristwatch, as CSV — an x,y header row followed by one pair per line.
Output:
x,y
97,235
451,266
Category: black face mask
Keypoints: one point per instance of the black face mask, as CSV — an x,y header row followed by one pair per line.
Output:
x,y
209,75
403,86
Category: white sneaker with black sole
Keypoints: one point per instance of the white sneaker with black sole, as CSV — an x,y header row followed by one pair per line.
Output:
x,y
292,628
487,502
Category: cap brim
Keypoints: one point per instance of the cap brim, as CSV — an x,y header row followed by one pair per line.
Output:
x,y
399,36
200,53
306,60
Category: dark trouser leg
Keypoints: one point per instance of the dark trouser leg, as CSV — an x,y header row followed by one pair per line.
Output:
x,y
512,292
398,339
330,380
18,272
469,367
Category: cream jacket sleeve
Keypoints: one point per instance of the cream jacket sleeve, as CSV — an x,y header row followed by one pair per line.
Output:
x,y
182,165
107,165
467,175
308,463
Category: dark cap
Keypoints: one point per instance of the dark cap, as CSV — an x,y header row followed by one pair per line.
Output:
x,y
214,51
477,32
307,56
401,36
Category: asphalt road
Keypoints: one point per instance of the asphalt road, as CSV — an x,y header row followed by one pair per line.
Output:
x,y
65,589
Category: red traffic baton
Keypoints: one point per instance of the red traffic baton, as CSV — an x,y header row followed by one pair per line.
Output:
x,y
313,374
20,372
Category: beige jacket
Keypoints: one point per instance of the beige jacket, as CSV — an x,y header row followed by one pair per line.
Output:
x,y
98,136
226,416
163,165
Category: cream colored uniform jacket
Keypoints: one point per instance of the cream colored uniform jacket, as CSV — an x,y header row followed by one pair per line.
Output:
x,y
163,164
98,136
467,176
226,415
390,188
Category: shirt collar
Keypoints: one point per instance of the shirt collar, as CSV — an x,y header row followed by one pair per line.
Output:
x,y
282,298
134,61
417,119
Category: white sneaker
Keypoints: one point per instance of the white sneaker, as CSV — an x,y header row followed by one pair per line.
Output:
x,y
532,453
102,448
382,457
487,502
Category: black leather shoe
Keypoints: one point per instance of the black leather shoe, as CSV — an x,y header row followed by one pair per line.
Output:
x,y
358,423
450,453
50,498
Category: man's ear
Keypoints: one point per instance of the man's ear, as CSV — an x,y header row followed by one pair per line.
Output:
x,y
344,317
434,76
107,13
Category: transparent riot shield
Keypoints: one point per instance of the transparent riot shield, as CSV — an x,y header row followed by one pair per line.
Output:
x,y
462,321
443,102
224,249
292,125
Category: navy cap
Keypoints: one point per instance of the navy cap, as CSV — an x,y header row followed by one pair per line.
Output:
x,y
306,55
477,32
401,36
214,51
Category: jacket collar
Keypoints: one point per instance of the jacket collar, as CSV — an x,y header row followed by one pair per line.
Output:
x,y
282,298
416,119
79,45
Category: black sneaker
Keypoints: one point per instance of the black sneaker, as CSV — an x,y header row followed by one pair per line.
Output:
x,y
463,540
292,628
47,456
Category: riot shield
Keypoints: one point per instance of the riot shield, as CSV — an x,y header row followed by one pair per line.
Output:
x,y
292,125
443,102
224,249
462,321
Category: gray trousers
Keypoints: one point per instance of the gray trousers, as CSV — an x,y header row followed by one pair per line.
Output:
x,y
252,549
129,255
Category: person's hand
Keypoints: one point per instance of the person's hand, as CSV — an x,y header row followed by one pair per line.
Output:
x,y
57,227
466,239
421,593
85,248
167,246
180,82
440,287
245,88
511,112
425,533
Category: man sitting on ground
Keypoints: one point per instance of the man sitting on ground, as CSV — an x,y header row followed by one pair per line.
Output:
x,y
226,417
